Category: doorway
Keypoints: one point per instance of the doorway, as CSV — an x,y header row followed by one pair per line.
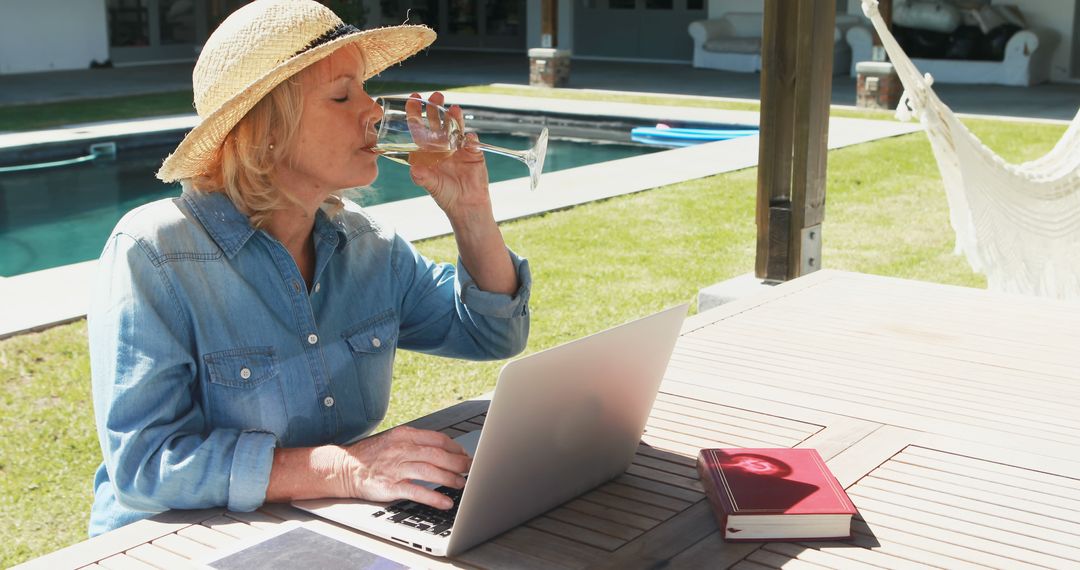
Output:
x,y
489,25
644,30
158,31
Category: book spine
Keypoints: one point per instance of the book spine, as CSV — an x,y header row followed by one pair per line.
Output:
x,y
713,493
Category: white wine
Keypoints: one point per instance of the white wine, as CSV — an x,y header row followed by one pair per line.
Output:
x,y
410,153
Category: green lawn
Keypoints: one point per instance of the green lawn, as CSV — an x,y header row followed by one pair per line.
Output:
x,y
51,115
594,266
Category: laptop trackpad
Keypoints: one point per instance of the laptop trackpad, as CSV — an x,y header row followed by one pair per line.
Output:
x,y
466,440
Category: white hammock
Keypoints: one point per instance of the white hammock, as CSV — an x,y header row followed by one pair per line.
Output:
x,y
1017,223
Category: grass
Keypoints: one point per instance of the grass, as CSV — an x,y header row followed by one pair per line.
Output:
x,y
594,266
49,115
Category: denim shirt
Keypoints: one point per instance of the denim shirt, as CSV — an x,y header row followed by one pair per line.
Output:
x,y
208,350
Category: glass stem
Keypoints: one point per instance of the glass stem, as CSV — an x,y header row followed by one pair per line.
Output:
x,y
521,155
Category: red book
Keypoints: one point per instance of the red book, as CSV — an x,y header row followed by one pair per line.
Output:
x,y
774,494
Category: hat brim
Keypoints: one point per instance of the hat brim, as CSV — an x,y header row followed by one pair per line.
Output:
x,y
382,48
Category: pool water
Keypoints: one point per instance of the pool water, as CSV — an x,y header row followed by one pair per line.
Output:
x,y
50,218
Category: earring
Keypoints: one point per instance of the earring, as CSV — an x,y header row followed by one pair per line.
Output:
x,y
271,146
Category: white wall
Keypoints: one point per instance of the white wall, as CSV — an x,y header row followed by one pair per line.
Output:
x,y
1057,17
48,35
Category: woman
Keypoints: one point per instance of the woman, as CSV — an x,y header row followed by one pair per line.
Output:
x,y
242,335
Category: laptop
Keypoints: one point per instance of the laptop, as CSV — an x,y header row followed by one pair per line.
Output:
x,y
561,422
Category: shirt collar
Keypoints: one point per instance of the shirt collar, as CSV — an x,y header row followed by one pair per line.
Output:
x,y
228,226
231,229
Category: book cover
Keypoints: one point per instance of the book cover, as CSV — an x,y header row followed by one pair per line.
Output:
x,y
775,494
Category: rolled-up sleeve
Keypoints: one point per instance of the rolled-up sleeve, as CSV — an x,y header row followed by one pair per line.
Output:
x,y
444,312
159,451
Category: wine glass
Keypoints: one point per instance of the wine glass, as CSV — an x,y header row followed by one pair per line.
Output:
x,y
415,131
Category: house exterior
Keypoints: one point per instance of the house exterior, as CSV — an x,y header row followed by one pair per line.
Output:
x,y
45,35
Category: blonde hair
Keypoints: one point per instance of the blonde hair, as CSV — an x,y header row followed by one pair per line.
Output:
x,y
244,165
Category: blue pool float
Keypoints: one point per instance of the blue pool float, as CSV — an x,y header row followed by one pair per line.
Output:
x,y
676,136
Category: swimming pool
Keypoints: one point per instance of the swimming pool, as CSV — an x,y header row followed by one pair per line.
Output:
x,y
60,216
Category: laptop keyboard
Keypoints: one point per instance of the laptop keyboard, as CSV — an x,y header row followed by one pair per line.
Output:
x,y
422,517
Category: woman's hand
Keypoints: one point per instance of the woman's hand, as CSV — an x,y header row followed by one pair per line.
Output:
x,y
383,467
379,468
458,182
459,185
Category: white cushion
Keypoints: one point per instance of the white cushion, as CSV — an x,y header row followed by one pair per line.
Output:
x,y
734,45
933,15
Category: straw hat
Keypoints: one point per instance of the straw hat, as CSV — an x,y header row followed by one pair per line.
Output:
x,y
259,46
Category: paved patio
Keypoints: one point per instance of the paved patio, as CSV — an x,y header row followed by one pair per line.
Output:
x,y
1047,101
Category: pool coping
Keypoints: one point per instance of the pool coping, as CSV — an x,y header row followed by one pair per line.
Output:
x,y
60,295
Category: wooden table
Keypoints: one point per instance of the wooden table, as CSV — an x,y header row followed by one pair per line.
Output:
x,y
949,414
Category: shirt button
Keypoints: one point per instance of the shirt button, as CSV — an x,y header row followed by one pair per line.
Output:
x,y
317,287
296,286
328,401
312,338
376,342
245,373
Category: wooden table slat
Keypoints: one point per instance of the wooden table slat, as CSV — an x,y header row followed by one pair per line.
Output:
x,y
943,541
161,558
547,546
873,388
821,558
660,488
1031,534
576,533
749,417
207,536
492,554
717,424
953,464
979,508
183,546
868,552
232,527
680,481
631,505
667,540
1006,544
906,549
626,518
124,562
996,493
664,455
713,552
980,382
594,523
257,519
665,466
746,422
773,559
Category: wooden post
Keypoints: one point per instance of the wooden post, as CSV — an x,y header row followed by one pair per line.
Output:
x,y
549,23
796,89
885,9
548,65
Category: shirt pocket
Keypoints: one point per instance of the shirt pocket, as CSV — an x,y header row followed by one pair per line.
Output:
x,y
373,343
244,390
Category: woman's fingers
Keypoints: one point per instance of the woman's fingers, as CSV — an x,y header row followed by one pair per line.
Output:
x,y
430,438
423,495
416,471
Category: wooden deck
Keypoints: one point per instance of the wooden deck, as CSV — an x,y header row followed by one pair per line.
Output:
x,y
947,413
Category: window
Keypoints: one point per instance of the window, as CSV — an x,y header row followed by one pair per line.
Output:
x,y
177,19
129,23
